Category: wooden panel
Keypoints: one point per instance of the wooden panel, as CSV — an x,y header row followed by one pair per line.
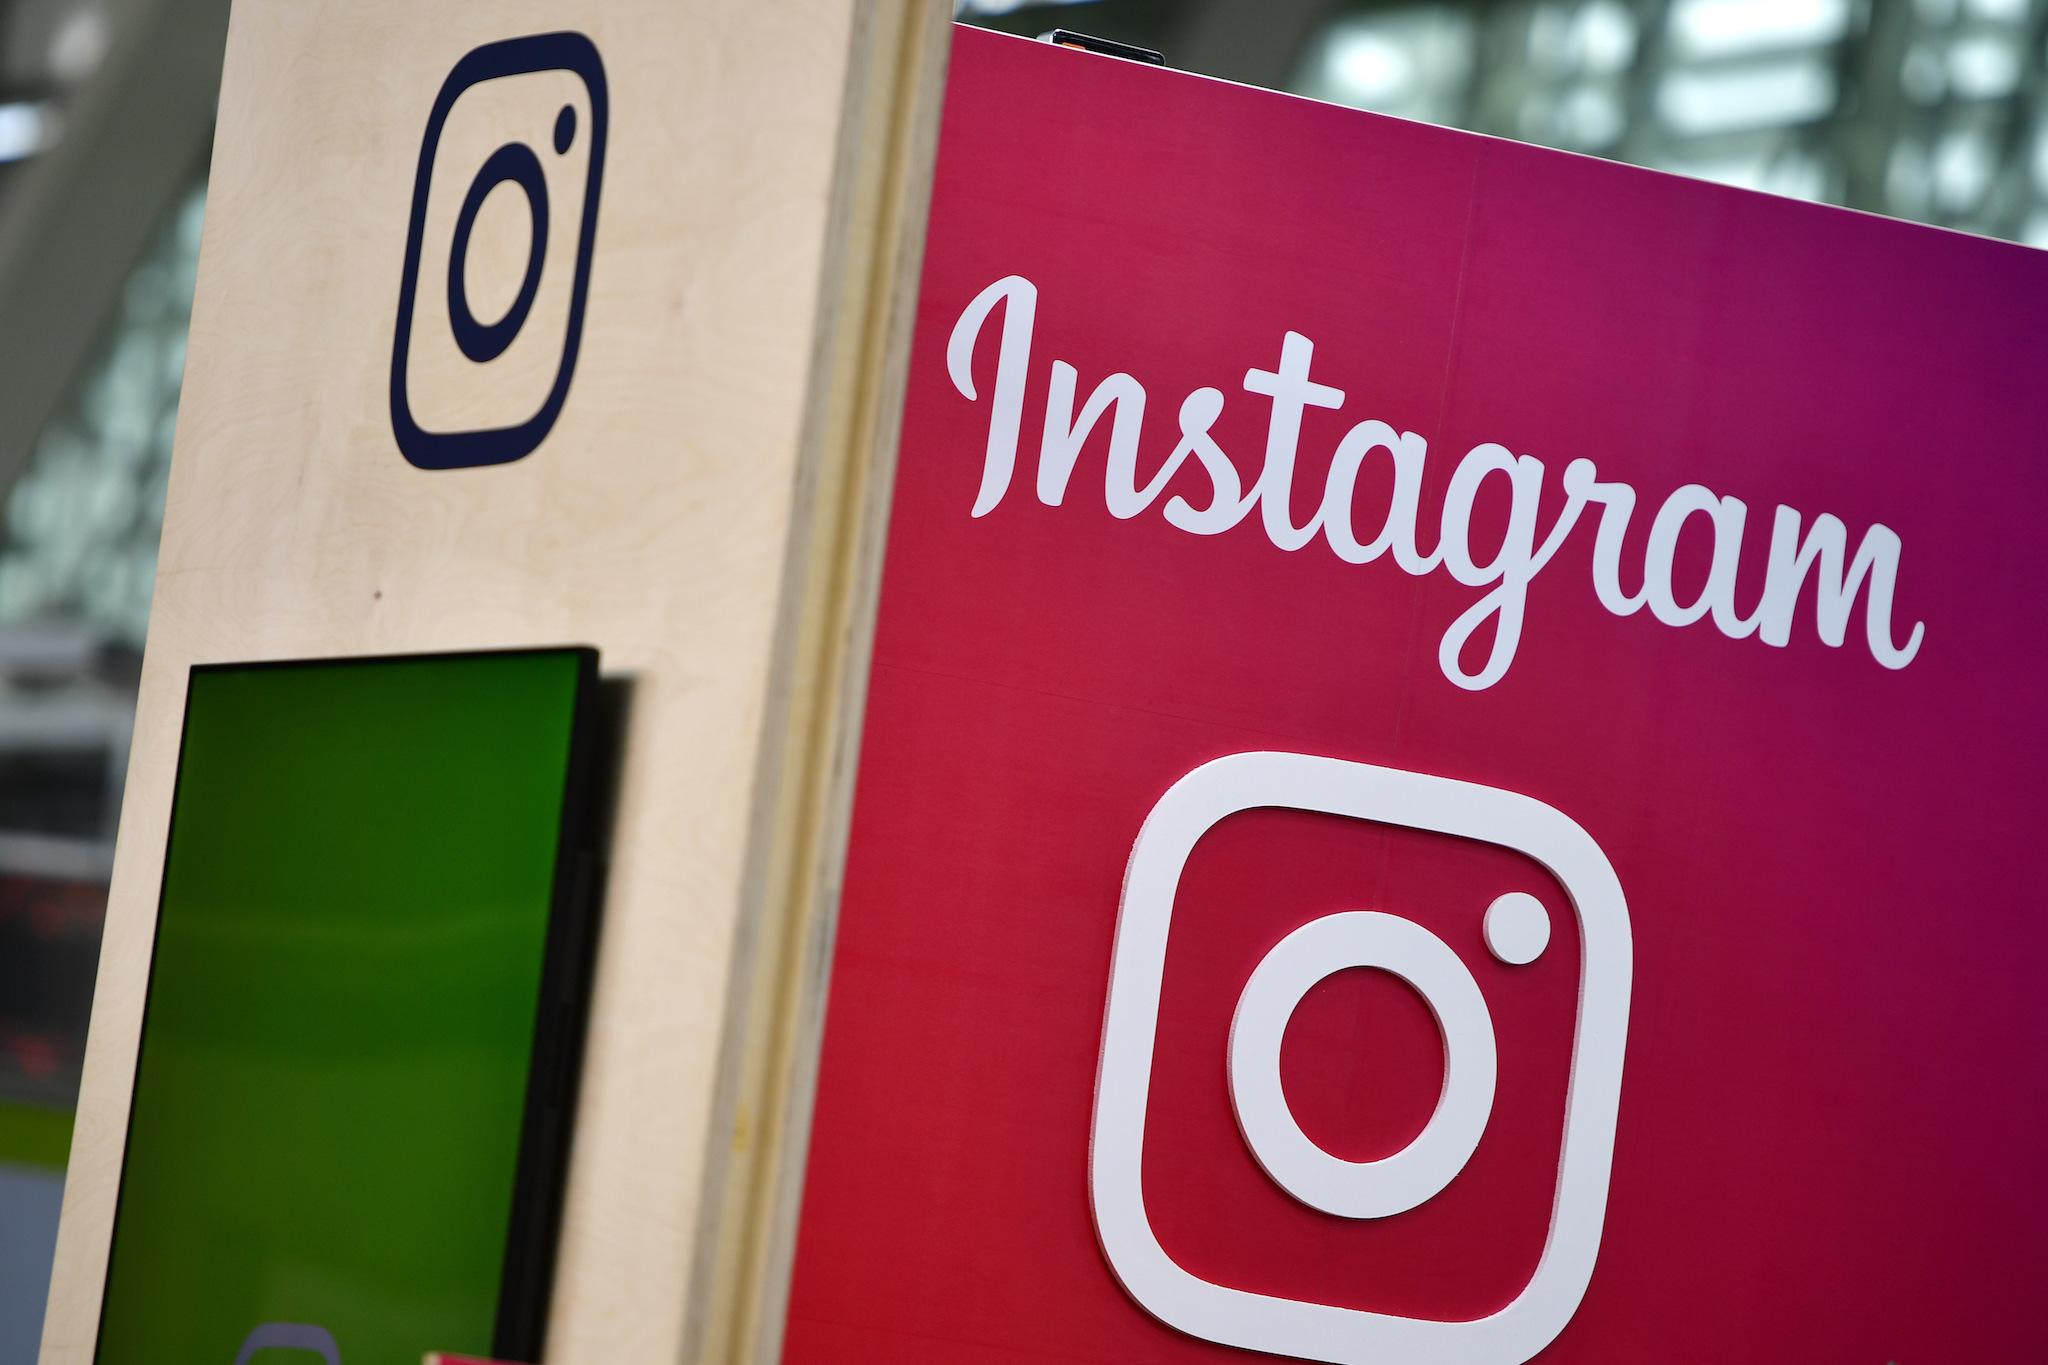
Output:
x,y
707,511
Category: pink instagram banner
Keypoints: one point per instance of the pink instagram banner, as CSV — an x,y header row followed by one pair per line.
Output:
x,y
1452,769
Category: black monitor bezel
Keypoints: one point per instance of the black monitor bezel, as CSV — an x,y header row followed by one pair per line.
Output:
x,y
561,1014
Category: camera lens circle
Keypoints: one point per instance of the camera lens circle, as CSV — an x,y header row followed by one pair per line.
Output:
x,y
516,163
1419,1171
1517,928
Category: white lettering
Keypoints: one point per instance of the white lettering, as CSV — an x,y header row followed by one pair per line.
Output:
x,y
1013,357
1793,559
1292,392
1518,561
1228,506
1065,435
1397,532
1726,515
1875,568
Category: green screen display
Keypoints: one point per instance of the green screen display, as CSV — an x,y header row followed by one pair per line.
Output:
x,y
332,1086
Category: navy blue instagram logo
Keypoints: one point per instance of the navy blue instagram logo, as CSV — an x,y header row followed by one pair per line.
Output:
x,y
522,165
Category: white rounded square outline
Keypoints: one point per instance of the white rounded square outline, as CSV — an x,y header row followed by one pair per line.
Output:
x,y
1392,796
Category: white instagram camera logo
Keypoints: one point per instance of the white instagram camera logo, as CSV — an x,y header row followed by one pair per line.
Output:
x,y
1367,1189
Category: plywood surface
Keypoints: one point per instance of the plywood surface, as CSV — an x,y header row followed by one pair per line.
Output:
x,y
704,511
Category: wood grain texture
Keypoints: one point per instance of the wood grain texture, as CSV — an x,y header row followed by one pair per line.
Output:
x,y
774,1036
707,511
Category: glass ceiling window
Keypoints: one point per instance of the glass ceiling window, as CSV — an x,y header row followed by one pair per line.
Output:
x,y
79,537
1926,109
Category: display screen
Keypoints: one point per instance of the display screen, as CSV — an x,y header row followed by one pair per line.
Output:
x,y
366,945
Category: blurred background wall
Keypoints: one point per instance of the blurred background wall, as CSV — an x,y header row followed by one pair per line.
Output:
x,y
106,117
1935,110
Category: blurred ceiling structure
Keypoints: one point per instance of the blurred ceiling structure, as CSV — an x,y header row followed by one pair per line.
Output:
x,y
120,97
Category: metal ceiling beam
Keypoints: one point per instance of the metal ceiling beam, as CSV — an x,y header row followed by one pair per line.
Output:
x,y
77,219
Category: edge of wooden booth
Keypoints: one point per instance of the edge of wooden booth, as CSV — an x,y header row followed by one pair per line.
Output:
x,y
709,512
